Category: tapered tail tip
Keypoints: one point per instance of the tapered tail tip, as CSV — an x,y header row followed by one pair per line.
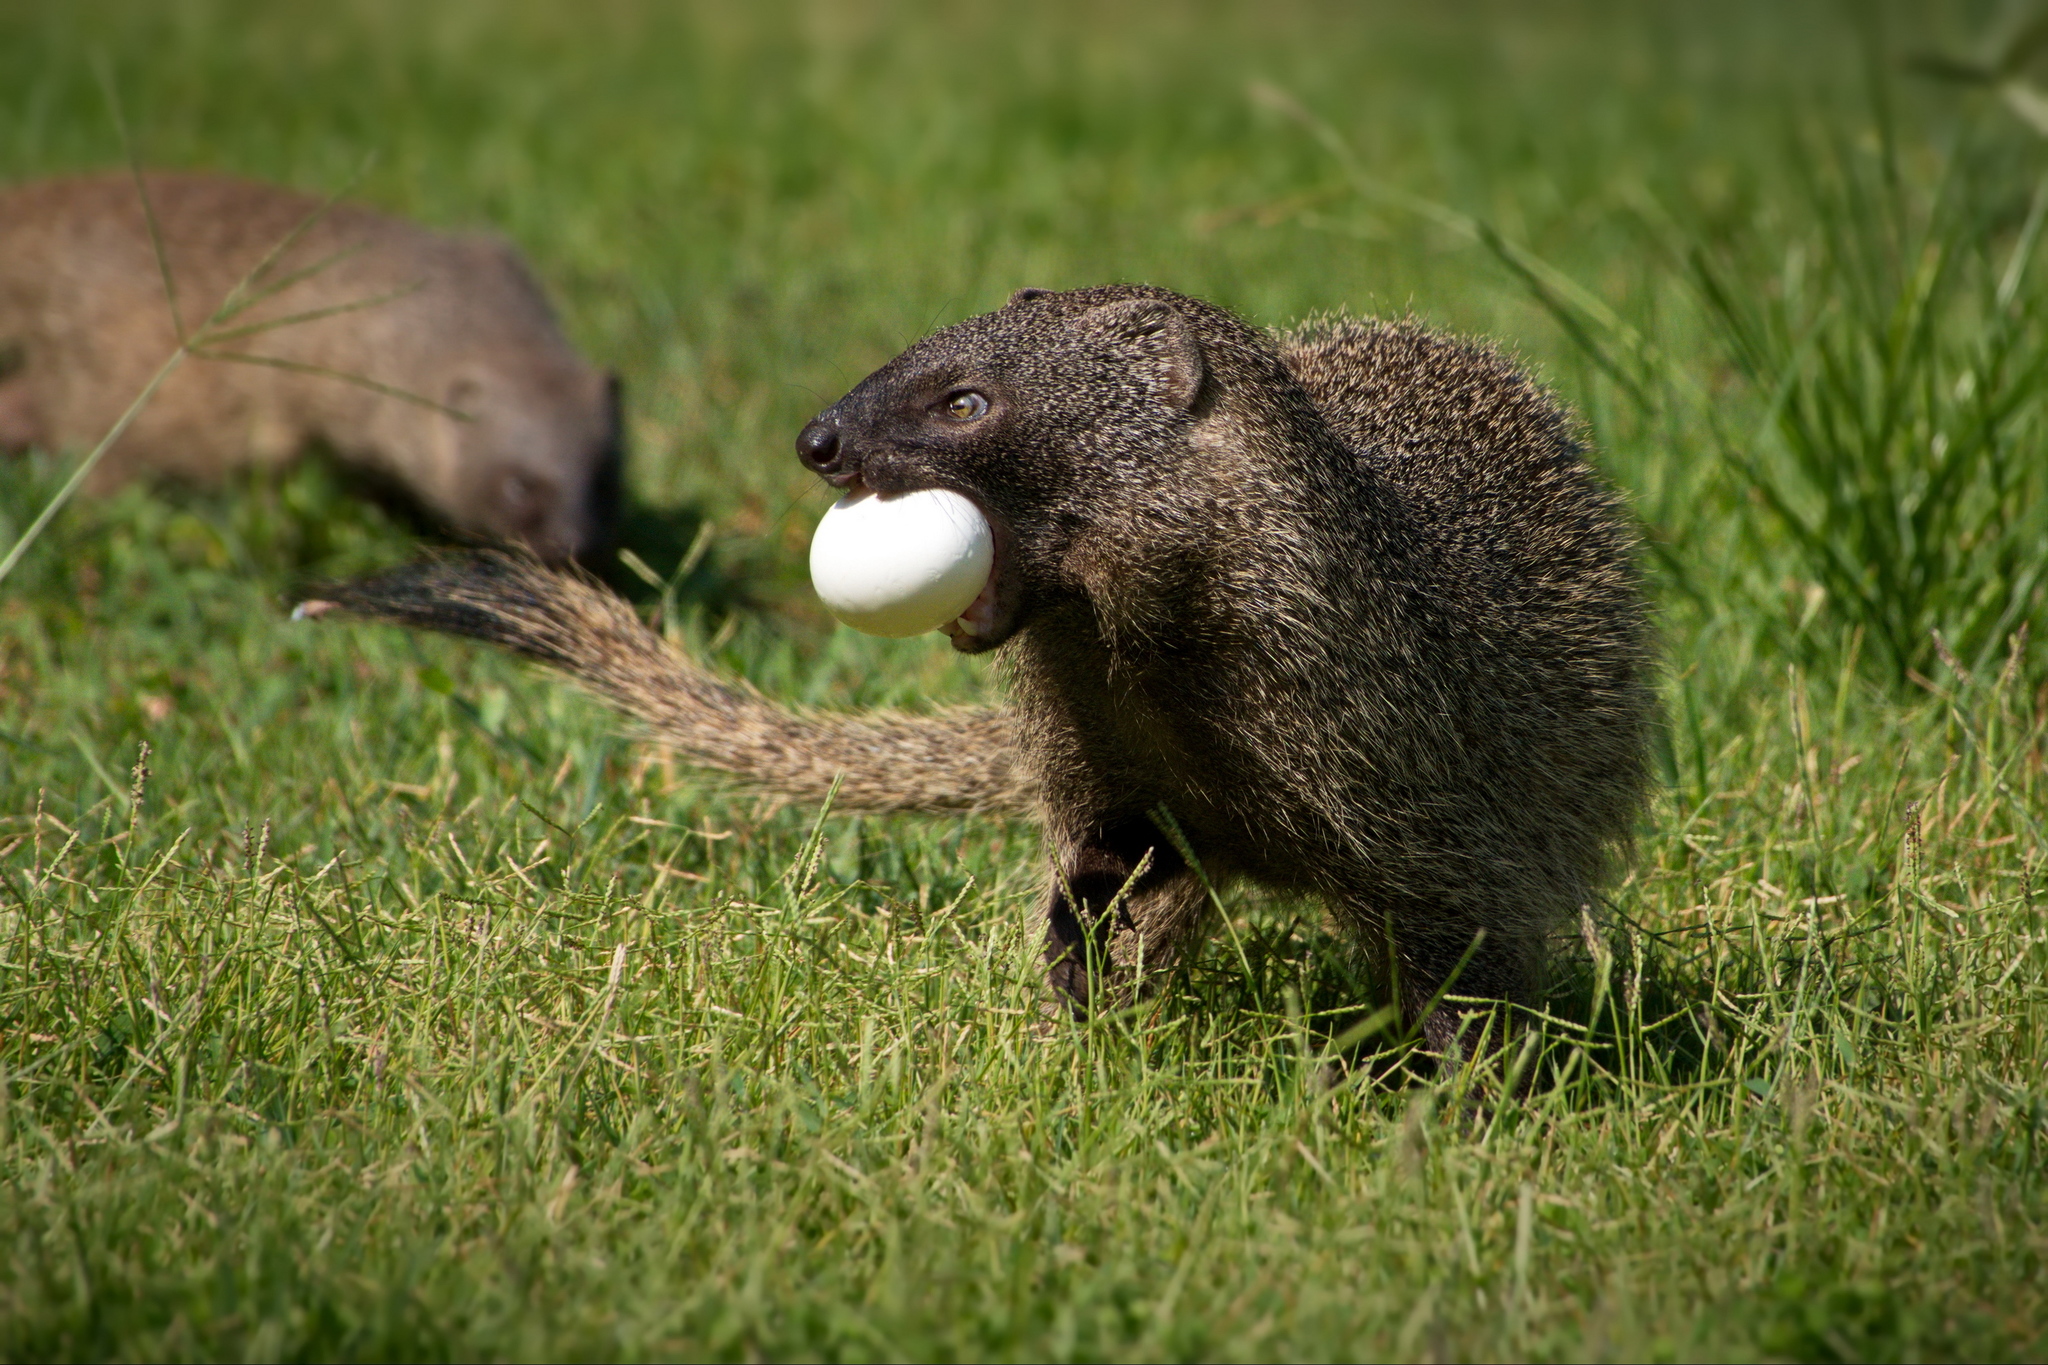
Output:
x,y
313,608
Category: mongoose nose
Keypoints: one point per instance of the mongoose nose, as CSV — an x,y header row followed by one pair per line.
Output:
x,y
817,445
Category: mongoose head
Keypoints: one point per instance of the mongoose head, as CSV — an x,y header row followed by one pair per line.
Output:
x,y
539,458
1052,414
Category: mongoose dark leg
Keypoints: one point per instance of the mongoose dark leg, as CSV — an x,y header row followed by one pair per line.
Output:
x,y
1122,900
1434,957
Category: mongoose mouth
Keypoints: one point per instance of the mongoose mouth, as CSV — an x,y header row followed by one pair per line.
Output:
x,y
991,617
973,628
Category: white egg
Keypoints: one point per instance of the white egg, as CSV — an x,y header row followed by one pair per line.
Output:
x,y
901,565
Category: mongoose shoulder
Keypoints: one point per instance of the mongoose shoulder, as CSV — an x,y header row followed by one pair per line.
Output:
x,y
84,316
1344,612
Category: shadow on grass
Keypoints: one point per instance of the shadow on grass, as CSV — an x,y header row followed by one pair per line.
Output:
x,y
1609,1015
671,542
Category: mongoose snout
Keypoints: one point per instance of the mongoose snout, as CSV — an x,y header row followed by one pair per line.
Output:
x,y
817,445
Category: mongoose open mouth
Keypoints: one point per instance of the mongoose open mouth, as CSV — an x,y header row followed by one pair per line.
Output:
x,y
979,620
991,617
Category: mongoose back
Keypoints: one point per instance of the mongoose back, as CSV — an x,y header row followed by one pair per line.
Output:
x,y
84,322
1343,612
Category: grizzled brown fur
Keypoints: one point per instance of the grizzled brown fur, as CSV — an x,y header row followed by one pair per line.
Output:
x,y
84,318
1346,607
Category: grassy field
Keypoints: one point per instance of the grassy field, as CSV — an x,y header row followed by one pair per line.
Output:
x,y
368,996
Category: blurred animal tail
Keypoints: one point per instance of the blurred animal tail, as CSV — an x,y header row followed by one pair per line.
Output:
x,y
960,760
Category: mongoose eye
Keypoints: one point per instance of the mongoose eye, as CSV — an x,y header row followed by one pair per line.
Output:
x,y
966,405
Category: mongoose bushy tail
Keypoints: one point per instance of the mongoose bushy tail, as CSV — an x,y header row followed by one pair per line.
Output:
x,y
959,760
1343,612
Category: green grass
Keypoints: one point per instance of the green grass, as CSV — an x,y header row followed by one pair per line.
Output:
x,y
402,1009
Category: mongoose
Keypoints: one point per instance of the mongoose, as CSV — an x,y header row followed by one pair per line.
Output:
x,y
84,316
1343,612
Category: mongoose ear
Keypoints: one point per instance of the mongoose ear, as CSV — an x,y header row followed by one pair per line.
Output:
x,y
462,404
1161,345
462,396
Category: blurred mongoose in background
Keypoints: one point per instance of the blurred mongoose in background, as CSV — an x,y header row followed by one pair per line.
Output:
x,y
458,320
1342,612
